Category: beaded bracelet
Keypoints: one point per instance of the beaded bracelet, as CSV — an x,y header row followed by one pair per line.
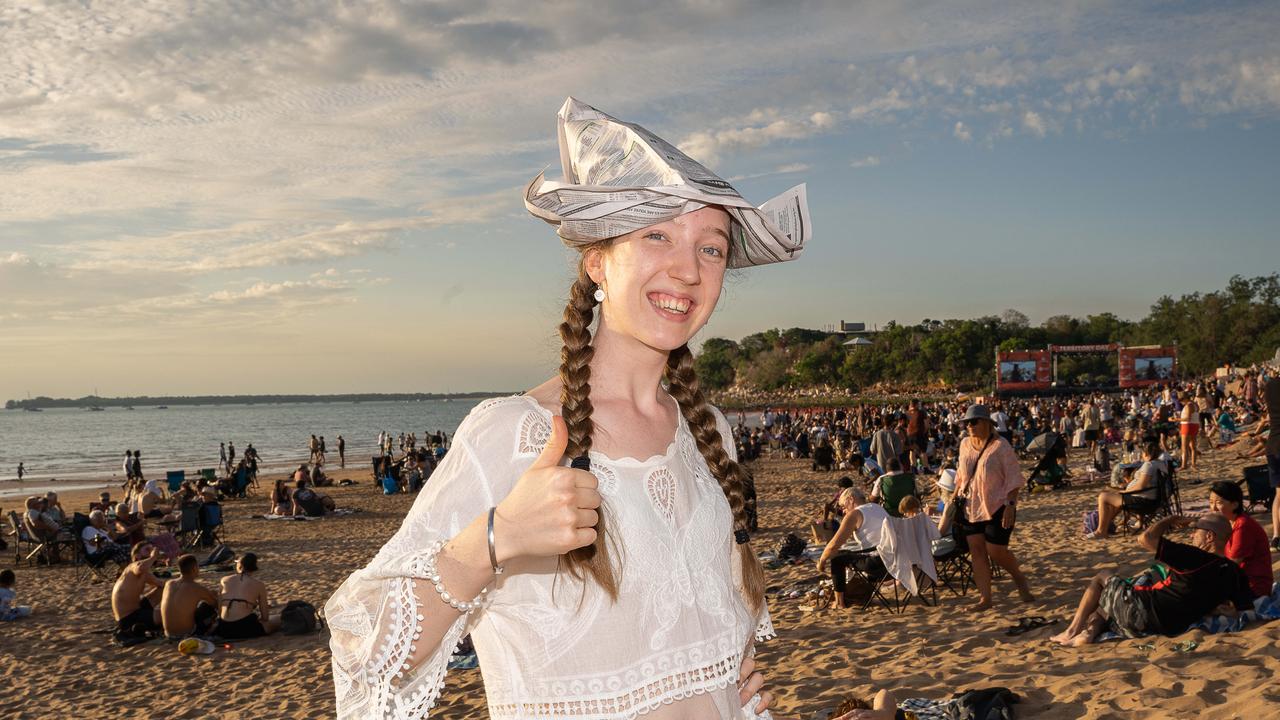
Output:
x,y
433,574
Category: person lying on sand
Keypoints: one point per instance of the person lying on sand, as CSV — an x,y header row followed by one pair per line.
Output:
x,y
187,607
246,611
1195,579
135,598
309,502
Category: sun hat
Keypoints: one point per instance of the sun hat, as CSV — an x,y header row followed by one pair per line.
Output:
x,y
1215,523
976,411
947,480
619,177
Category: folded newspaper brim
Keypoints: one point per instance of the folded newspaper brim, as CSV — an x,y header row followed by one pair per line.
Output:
x,y
619,178
583,214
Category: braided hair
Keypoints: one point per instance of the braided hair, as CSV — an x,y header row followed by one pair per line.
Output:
x,y
682,381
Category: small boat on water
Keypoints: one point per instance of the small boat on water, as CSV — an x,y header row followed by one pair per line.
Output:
x,y
95,408
162,407
33,409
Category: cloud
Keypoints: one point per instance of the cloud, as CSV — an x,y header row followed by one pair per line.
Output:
x,y
869,161
1033,123
789,168
961,132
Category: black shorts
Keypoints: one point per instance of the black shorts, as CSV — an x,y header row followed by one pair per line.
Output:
x,y
249,626
142,620
990,530
1091,436
1273,470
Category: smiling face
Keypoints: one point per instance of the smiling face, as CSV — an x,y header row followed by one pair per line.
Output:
x,y
662,282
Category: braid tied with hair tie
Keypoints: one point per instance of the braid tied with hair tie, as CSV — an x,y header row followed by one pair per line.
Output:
x,y
682,383
575,407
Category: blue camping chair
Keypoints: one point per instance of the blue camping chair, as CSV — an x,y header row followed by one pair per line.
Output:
x,y
176,478
212,529
240,483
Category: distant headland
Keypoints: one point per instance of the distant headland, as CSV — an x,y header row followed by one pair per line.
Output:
x,y
93,401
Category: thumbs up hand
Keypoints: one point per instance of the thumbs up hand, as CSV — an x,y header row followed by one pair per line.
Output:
x,y
551,510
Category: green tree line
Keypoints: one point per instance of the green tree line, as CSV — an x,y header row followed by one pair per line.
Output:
x,y
1238,324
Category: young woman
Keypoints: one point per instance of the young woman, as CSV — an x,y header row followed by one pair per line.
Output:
x,y
625,584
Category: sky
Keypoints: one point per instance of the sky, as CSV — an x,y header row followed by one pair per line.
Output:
x,y
311,197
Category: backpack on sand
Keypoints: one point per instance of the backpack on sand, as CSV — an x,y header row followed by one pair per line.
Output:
x,y
298,618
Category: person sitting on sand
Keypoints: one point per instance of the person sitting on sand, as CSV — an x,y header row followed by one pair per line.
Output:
x,y
135,598
1144,484
9,607
1195,579
246,611
186,607
863,521
98,543
281,502
1247,546
309,502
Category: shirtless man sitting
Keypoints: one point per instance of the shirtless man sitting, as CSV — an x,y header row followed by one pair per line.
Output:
x,y
187,607
135,597
246,611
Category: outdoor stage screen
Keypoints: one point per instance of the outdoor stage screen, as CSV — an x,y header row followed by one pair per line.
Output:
x,y
1147,366
1024,370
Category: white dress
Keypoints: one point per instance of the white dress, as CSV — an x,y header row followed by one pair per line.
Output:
x,y
551,646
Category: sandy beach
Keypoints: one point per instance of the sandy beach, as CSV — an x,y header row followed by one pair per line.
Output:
x,y
54,665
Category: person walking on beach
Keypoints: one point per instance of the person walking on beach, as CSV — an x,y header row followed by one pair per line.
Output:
x,y
137,466
21,472
988,480
128,469
514,540
222,458
342,452
320,458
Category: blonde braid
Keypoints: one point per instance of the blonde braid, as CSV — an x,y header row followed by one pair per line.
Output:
x,y
682,383
575,404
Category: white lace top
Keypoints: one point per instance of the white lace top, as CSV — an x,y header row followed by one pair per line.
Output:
x,y
551,646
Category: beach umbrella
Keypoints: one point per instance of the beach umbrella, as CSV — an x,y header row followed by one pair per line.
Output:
x,y
1042,443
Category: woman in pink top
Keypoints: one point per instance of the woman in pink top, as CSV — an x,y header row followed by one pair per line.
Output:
x,y
988,479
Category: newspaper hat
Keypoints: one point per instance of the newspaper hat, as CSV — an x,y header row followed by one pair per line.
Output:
x,y
619,177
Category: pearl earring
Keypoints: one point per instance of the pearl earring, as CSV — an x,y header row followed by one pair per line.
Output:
x,y
599,294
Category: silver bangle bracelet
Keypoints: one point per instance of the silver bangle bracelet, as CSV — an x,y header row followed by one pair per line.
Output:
x,y
493,553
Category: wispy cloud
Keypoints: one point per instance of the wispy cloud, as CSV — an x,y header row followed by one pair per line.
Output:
x,y
869,161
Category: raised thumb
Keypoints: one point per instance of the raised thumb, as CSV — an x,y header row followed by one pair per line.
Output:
x,y
556,444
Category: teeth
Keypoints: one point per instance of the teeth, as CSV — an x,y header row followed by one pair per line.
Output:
x,y
673,305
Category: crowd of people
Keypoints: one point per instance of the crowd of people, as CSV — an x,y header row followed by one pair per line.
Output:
x,y
962,461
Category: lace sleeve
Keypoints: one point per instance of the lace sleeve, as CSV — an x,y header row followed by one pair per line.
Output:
x,y
764,623
373,615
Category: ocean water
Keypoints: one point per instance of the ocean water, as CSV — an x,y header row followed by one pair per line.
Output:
x,y
71,444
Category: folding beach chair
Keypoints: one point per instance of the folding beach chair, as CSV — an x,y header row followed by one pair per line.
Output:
x,y
1146,510
212,528
209,474
23,541
869,572
188,532
240,483
906,549
955,569
1258,484
175,478
87,565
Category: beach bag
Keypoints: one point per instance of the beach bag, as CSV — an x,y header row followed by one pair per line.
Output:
x,y
221,554
390,486
1091,523
792,547
298,618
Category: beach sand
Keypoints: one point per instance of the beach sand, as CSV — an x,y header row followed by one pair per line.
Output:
x,y
51,664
